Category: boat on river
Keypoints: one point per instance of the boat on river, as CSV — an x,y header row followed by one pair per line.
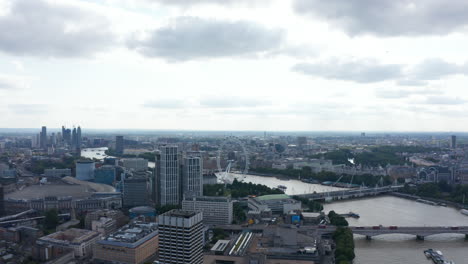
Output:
x,y
436,256
282,187
464,211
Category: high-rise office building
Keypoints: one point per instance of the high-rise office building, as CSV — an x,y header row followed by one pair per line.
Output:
x,y
119,144
78,138
453,141
44,137
74,138
169,176
192,176
85,170
135,192
181,237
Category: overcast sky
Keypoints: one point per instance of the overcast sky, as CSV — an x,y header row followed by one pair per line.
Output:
x,y
235,64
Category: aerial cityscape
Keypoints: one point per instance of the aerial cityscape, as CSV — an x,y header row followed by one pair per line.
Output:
x,y
233,132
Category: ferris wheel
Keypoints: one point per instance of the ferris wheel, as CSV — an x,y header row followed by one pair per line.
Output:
x,y
241,168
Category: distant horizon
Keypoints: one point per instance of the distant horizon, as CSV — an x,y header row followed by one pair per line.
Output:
x,y
84,129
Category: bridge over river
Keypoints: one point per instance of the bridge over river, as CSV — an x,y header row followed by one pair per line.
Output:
x,y
369,231
350,193
419,231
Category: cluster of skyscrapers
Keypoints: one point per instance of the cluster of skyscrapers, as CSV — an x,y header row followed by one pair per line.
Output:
x,y
68,137
177,176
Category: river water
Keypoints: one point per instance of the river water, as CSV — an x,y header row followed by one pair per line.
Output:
x,y
99,153
293,187
396,249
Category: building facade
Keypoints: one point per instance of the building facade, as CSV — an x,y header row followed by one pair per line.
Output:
x,y
216,210
181,237
169,176
85,170
132,244
192,176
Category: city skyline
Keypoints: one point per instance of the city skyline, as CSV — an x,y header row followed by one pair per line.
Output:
x,y
307,71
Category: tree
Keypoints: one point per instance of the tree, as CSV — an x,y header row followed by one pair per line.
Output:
x,y
51,219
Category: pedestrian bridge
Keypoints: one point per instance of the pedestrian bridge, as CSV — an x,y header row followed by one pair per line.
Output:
x,y
419,232
350,193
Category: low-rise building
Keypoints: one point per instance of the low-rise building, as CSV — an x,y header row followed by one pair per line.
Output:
x,y
216,210
278,203
132,244
81,241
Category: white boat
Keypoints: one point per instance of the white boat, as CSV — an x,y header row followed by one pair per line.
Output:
x,y
464,211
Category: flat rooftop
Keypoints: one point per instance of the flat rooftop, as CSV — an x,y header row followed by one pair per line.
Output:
x,y
180,213
67,187
70,236
132,235
273,197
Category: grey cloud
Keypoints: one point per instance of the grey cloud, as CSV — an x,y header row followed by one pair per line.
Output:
x,y
11,83
389,17
189,38
45,29
444,100
404,93
232,102
364,71
435,68
198,2
411,82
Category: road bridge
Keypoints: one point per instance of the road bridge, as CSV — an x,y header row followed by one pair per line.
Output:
x,y
419,231
369,231
350,193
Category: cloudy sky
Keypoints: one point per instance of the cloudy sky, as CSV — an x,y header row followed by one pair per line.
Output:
x,y
359,65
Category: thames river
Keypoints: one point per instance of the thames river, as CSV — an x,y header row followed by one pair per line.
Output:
x,y
388,210
396,249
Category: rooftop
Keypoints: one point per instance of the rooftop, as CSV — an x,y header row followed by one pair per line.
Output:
x,y
180,213
132,235
273,197
70,236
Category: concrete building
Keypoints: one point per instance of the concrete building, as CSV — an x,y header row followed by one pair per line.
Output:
x,y
116,215
168,180
81,241
132,244
277,203
136,164
181,237
105,175
216,210
210,179
192,176
57,172
104,225
119,144
135,192
453,142
85,170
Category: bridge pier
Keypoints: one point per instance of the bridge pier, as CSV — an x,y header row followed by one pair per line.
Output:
x,y
466,236
418,237
368,237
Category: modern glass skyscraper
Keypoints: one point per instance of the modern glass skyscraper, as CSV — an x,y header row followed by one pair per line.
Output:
x,y
192,176
169,176
44,137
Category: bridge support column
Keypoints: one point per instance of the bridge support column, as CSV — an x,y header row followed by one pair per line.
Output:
x,y
368,238
466,236
418,237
